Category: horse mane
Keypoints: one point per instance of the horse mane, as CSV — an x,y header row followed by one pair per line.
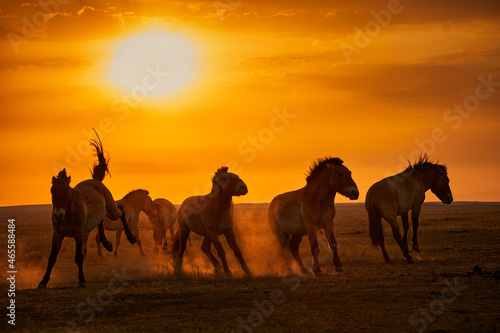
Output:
x,y
101,168
219,171
319,165
424,161
133,192
61,176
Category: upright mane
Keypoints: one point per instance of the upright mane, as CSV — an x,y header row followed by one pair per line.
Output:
x,y
220,171
135,192
424,161
319,165
101,167
62,176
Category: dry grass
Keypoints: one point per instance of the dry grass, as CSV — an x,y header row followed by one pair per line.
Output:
x,y
369,296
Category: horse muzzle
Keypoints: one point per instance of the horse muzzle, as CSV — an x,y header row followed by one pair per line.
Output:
x,y
59,214
353,193
448,199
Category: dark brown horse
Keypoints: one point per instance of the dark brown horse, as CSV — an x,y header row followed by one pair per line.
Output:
x,y
293,215
77,211
396,195
210,216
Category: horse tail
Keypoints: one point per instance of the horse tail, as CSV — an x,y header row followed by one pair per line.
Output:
x,y
101,168
375,226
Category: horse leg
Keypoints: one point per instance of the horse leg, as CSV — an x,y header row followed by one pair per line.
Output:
x,y
415,212
406,226
79,260
139,245
397,236
205,247
180,245
85,240
333,245
130,236
313,240
102,236
118,240
231,241
56,246
294,249
214,238
98,244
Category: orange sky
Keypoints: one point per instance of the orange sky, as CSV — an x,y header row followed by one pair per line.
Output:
x,y
373,83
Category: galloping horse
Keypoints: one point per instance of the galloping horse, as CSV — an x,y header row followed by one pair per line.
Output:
x,y
295,214
210,216
132,204
77,211
162,220
396,195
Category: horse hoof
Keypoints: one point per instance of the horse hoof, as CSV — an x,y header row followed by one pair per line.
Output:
x,y
387,260
108,246
41,285
82,284
416,248
319,273
410,260
339,270
132,239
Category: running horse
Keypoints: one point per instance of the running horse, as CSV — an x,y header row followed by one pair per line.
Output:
x,y
292,215
396,195
132,204
162,220
77,211
210,216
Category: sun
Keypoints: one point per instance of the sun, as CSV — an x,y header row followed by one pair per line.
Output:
x,y
153,64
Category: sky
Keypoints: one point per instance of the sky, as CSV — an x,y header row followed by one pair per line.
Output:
x,y
264,87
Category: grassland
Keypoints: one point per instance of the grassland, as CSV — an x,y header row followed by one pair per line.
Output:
x,y
460,246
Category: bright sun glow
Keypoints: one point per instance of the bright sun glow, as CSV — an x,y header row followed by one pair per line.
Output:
x,y
153,64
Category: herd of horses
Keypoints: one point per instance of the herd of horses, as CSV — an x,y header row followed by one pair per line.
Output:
x,y
292,215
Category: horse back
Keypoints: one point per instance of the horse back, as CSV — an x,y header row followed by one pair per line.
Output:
x,y
98,201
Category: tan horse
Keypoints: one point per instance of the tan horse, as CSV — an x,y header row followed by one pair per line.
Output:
x,y
132,204
210,216
161,221
295,214
77,211
396,195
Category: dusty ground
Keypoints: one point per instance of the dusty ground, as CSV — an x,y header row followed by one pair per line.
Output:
x,y
131,293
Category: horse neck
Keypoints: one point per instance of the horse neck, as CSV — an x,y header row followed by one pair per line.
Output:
x,y
136,202
319,189
220,200
426,178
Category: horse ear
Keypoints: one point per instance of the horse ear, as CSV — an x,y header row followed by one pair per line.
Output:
x,y
54,179
69,179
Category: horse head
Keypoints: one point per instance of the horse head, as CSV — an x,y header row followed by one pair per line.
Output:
x,y
341,181
228,183
150,207
441,186
60,195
